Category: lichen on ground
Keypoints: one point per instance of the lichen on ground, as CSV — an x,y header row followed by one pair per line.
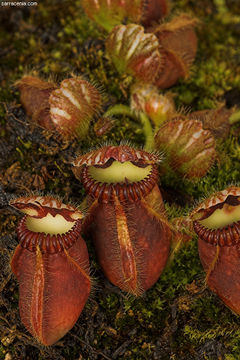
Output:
x,y
179,318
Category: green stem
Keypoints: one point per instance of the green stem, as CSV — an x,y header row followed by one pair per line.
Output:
x,y
148,132
235,117
121,109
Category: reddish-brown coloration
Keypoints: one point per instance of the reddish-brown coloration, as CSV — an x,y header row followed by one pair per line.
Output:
x,y
214,120
34,96
178,46
146,98
119,153
73,105
153,10
161,56
131,243
52,270
134,52
126,220
103,126
50,244
68,109
109,13
189,148
130,192
224,278
219,249
183,230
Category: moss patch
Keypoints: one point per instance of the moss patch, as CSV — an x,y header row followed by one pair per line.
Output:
x,y
179,318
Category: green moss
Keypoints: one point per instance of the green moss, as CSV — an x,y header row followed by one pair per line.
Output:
x,y
178,314
2,352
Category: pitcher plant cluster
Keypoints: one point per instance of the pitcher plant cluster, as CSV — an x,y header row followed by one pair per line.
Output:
x,y
125,219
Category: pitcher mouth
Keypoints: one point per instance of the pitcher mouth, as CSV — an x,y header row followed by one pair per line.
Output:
x,y
47,243
218,221
128,181
121,171
48,224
